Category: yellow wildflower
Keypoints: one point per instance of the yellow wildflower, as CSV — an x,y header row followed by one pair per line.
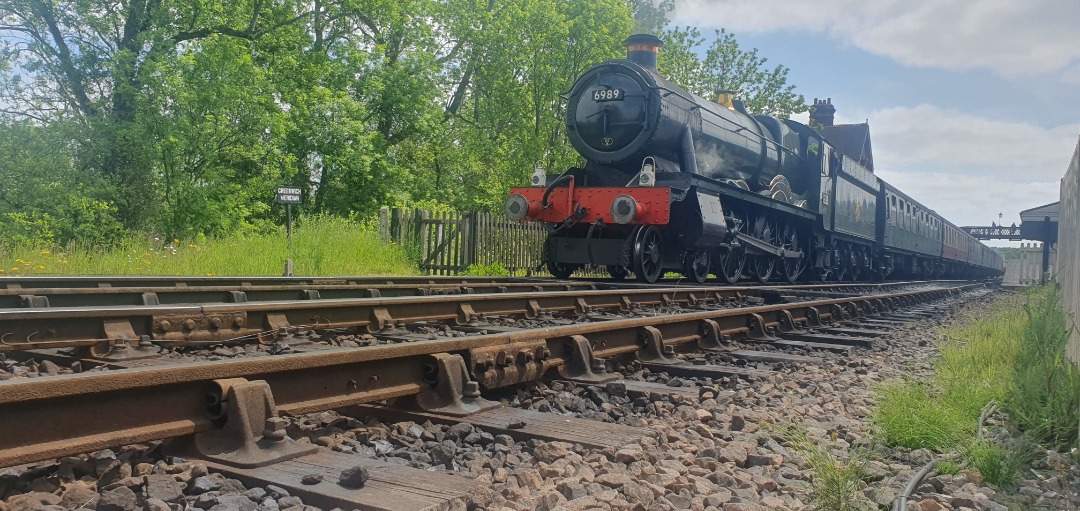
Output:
x,y
39,267
15,268
192,245
45,252
2,271
175,241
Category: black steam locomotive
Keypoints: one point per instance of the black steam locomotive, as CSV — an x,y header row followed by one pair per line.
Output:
x,y
675,182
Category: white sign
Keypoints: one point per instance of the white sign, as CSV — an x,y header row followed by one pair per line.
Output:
x,y
288,195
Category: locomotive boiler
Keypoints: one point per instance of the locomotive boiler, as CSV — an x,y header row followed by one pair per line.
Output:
x,y
672,181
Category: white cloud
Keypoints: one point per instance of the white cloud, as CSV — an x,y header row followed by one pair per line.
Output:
x,y
969,168
972,200
944,140
1007,36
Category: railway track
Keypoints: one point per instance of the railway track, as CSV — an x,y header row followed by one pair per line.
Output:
x,y
43,292
60,317
224,412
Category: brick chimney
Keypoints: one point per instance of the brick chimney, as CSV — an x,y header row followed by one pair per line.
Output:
x,y
823,112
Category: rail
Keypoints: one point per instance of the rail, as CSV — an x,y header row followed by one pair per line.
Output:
x,y
58,416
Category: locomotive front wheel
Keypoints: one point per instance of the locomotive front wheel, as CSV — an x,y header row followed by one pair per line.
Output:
x,y
560,270
618,273
649,255
696,266
731,263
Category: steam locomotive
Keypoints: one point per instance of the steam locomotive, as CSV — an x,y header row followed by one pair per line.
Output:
x,y
675,182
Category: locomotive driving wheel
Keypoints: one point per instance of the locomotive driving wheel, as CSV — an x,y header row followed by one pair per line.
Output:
x,y
730,264
696,266
648,254
763,266
792,268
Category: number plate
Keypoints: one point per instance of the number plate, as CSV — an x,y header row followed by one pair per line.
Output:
x,y
607,95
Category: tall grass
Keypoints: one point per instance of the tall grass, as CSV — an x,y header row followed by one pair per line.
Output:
x,y
998,464
320,246
1045,394
975,367
1014,355
915,415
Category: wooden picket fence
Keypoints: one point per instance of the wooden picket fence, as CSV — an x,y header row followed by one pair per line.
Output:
x,y
449,242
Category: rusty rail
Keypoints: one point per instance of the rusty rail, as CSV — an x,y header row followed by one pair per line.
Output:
x,y
119,291
60,327
57,416
175,295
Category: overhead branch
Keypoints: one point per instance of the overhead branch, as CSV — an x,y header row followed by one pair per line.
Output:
x,y
63,53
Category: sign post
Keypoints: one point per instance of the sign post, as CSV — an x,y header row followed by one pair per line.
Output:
x,y
288,195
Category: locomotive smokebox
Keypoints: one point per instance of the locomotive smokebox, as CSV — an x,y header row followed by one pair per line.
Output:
x,y
642,49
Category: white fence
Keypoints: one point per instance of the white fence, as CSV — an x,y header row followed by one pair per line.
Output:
x,y
1028,269
1068,271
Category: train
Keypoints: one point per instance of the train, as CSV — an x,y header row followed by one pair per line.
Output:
x,y
673,182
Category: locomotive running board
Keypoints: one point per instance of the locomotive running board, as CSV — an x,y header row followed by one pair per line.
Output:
x,y
756,246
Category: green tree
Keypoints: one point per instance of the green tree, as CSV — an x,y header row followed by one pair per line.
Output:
x,y
726,66
93,62
43,197
504,112
651,16
181,118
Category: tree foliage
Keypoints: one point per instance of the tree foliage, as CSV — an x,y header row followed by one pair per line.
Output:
x,y
180,118
725,66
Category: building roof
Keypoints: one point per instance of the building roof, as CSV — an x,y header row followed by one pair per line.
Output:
x,y
853,140
1038,214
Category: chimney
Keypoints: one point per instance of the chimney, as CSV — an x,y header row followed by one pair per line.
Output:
x,y
823,112
642,48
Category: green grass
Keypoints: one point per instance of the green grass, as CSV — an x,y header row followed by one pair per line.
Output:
x,y
1045,393
320,246
1012,355
997,464
912,414
948,467
975,367
836,484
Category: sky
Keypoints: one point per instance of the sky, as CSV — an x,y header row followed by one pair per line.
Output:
x,y
973,105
